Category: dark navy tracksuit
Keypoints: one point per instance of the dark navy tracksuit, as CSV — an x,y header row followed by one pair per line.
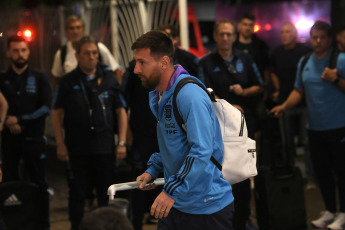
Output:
x,y
89,106
29,98
219,74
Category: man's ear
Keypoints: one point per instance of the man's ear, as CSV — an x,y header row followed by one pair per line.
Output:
x,y
76,56
165,62
176,41
234,36
239,26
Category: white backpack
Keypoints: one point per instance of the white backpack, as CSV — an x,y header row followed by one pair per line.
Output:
x,y
239,161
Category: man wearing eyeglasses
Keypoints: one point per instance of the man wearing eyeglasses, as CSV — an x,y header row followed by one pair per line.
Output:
x,y
86,101
64,59
234,77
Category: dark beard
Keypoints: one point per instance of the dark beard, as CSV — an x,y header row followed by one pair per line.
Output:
x,y
153,82
18,64
149,85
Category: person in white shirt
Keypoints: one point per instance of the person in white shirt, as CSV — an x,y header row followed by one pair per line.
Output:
x,y
65,60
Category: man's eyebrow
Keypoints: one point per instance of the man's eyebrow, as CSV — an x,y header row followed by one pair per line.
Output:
x,y
138,59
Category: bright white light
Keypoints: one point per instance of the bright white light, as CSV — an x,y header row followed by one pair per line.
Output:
x,y
27,33
304,24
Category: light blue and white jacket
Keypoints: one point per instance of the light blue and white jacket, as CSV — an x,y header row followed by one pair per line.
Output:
x,y
192,180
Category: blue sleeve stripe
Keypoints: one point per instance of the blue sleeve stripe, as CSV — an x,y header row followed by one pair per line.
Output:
x,y
42,111
257,73
122,100
171,186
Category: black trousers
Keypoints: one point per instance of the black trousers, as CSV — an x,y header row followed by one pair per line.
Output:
x,y
32,152
176,220
2,224
327,151
83,172
241,192
142,149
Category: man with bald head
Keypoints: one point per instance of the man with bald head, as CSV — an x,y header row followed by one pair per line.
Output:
x,y
284,61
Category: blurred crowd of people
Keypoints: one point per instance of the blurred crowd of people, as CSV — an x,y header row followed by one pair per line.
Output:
x,y
101,115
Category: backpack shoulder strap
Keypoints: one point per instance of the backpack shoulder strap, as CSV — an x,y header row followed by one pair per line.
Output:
x,y
63,52
305,59
334,57
216,163
177,115
178,87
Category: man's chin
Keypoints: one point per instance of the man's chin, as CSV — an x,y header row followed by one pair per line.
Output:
x,y
146,85
20,65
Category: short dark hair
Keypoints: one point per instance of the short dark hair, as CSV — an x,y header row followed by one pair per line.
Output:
x,y
320,25
15,38
73,18
157,41
248,15
173,29
105,218
223,21
83,40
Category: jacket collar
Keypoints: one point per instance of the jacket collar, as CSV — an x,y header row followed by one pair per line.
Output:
x,y
179,70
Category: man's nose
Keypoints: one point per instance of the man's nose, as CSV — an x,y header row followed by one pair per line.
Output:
x,y
21,53
136,69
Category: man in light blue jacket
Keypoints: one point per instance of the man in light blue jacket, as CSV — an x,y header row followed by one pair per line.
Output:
x,y
195,195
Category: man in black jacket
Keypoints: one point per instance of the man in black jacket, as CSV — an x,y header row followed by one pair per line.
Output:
x,y
85,102
28,93
233,76
251,44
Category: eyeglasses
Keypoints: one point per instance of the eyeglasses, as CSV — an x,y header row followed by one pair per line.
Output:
x,y
225,34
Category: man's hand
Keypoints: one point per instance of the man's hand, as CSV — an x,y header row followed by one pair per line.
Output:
x,y
0,175
15,129
162,205
236,89
275,96
144,179
62,152
278,111
329,75
12,124
11,120
121,152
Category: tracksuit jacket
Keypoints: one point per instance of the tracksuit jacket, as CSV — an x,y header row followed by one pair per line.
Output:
x,y
191,179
